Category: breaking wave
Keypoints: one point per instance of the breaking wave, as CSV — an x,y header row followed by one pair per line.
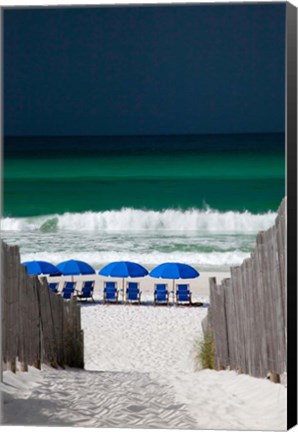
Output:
x,y
129,219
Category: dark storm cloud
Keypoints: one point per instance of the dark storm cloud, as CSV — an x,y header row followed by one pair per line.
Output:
x,y
144,69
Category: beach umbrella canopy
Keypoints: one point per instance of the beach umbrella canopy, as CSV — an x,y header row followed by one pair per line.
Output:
x,y
123,269
41,267
75,267
174,270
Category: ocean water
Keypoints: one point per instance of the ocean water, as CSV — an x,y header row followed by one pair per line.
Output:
x,y
194,199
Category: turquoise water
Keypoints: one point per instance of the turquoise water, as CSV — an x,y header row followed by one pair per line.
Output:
x,y
227,173
198,199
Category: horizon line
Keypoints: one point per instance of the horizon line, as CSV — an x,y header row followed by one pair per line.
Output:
x,y
141,135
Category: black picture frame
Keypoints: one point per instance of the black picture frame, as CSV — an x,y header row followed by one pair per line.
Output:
x,y
291,146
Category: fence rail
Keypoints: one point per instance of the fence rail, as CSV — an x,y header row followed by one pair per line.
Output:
x,y
38,326
247,313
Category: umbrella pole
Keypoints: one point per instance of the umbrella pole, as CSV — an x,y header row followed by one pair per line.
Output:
x,y
173,291
123,289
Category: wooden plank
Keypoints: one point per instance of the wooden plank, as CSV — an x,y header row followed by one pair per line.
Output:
x,y
236,335
4,289
258,341
242,321
48,331
57,308
79,337
226,287
252,316
231,325
255,317
270,301
61,355
214,319
248,313
36,351
24,320
261,341
11,304
282,248
266,300
66,331
219,325
278,319
281,253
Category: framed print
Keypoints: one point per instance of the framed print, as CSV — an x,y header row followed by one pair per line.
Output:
x,y
149,216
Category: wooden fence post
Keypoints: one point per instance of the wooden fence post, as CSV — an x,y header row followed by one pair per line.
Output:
x,y
24,320
259,340
11,303
36,352
219,324
231,327
49,351
235,272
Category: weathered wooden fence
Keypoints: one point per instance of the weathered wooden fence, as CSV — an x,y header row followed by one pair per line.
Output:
x,y
247,313
38,326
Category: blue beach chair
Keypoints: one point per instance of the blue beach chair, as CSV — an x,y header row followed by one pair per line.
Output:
x,y
161,294
68,290
133,293
110,292
86,291
53,287
183,294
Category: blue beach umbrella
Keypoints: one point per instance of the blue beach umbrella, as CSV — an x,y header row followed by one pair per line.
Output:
x,y
174,271
41,268
75,267
123,269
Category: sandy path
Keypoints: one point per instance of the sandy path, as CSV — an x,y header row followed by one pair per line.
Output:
x,y
140,373
100,399
127,350
158,340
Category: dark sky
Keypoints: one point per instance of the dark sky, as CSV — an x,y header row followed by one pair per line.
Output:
x,y
144,69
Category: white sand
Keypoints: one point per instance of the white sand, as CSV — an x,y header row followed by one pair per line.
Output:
x,y
140,372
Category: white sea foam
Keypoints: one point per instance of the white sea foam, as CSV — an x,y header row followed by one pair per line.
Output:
x,y
97,259
128,219
17,224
